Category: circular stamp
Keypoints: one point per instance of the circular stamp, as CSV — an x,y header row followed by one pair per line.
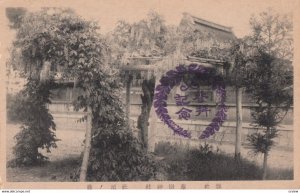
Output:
x,y
192,75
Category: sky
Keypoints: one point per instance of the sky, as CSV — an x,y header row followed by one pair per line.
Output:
x,y
235,14
231,13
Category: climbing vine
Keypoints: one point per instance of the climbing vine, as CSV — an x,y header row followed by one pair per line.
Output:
x,y
55,43
38,128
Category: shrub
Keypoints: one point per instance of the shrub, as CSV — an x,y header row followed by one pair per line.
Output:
x,y
281,174
13,104
37,130
116,155
166,148
204,164
219,167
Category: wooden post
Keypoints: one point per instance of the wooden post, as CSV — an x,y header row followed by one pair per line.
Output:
x,y
265,166
239,122
128,102
87,147
153,119
152,130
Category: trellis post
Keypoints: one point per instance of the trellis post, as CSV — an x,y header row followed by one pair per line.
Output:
x,y
87,146
239,122
128,79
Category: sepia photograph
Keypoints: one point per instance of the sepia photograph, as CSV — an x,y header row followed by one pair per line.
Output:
x,y
152,94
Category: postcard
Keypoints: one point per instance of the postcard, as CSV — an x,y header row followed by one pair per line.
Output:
x,y
157,94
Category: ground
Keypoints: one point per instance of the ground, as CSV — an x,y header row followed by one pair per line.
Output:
x,y
64,159
67,153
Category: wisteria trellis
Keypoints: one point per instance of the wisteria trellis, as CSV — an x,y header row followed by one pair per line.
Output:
x,y
174,77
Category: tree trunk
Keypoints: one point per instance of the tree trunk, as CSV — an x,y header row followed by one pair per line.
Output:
x,y
265,163
265,166
152,128
143,126
45,71
239,123
87,147
34,155
147,100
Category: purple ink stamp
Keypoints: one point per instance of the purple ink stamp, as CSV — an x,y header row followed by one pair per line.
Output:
x,y
174,78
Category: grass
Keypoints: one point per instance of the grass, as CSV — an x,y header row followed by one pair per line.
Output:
x,y
62,161
176,163
173,168
203,164
60,170
280,174
215,167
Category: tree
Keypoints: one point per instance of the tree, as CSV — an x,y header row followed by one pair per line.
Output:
x,y
15,15
29,56
149,37
272,33
54,41
269,78
58,40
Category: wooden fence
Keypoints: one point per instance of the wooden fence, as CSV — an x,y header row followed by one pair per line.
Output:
x,y
66,118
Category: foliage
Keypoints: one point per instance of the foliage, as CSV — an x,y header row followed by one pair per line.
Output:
x,y
60,40
272,33
112,140
15,14
267,83
262,67
38,48
151,37
204,163
118,156
115,154
12,106
281,174
261,143
58,37
269,78
147,37
238,69
38,126
166,148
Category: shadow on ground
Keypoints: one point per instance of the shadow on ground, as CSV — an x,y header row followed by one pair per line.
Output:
x,y
61,170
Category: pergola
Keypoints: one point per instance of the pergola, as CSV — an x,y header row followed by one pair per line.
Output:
x,y
158,67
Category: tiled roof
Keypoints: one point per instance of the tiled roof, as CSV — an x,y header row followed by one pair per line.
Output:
x,y
209,24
